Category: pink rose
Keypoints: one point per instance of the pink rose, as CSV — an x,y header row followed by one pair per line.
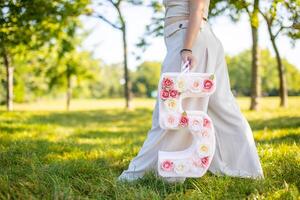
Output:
x,y
205,161
196,85
167,82
197,161
184,121
204,133
201,162
206,123
173,93
164,94
167,165
172,121
207,84
195,124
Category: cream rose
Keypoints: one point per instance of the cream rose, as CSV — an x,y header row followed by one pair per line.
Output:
x,y
181,167
171,104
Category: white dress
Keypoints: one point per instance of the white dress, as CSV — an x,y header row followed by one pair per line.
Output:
x,y
235,153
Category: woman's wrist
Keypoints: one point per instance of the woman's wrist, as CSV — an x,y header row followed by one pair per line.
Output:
x,y
186,50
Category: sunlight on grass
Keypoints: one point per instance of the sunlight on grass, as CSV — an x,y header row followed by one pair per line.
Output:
x,y
51,153
81,104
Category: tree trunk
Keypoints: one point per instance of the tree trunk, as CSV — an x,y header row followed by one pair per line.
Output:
x,y
281,72
9,81
69,89
127,86
255,76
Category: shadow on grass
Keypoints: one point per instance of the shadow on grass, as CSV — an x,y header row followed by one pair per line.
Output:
x,y
275,123
29,164
102,124
84,118
89,169
287,139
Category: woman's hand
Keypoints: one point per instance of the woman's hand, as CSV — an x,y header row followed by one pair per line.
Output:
x,y
188,56
195,20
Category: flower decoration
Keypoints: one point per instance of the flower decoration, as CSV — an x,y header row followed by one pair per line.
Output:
x,y
181,167
196,85
181,85
167,83
164,94
206,123
208,83
204,133
172,120
174,93
205,161
197,162
195,124
167,165
171,104
184,120
203,148
201,162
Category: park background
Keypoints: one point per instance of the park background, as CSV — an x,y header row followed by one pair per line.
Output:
x,y
78,99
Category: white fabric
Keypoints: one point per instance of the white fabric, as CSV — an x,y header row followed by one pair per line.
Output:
x,y
175,8
235,153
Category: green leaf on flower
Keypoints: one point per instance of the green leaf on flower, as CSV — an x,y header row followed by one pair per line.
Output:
x,y
212,77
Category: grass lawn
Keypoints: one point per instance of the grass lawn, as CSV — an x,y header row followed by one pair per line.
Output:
x,y
54,154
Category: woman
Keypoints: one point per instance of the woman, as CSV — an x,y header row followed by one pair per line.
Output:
x,y
189,37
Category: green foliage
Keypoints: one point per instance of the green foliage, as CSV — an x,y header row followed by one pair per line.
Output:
x,y
146,78
79,154
110,84
283,17
30,25
34,22
82,69
240,74
38,75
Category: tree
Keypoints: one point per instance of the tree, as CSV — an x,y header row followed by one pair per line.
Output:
x,y
281,17
146,78
31,24
154,29
240,74
71,65
251,8
111,85
120,25
71,60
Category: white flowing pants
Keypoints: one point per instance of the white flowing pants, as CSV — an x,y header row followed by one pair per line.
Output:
x,y
236,153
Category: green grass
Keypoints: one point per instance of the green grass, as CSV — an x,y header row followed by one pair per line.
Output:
x,y
54,154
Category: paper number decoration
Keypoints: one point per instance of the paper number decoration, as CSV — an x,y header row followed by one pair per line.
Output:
x,y
173,88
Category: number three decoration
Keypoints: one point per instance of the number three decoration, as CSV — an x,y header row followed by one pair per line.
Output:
x,y
173,88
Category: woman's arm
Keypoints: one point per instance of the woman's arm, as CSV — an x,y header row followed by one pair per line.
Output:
x,y
195,18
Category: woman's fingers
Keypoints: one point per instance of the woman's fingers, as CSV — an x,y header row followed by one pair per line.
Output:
x,y
188,57
192,62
